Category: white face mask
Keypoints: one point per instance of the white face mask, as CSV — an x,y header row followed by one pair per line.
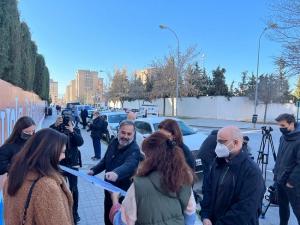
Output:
x,y
222,151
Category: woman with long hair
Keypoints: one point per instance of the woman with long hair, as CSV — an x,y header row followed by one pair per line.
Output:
x,y
22,131
35,192
162,189
171,129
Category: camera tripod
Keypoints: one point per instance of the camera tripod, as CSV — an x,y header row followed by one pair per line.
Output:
x,y
264,150
263,161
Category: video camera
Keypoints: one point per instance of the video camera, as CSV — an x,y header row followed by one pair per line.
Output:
x,y
67,117
266,130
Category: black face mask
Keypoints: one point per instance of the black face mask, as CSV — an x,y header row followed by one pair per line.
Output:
x,y
25,136
284,130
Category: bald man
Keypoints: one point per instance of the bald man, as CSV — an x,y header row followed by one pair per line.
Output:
x,y
235,188
131,116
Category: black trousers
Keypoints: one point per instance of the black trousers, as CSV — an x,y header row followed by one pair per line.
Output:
x,y
84,123
73,184
107,207
285,196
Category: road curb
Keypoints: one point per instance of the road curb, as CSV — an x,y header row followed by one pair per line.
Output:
x,y
214,127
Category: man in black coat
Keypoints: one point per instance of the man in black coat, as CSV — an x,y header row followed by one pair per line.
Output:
x,y
235,190
72,158
120,162
97,128
207,155
287,168
84,114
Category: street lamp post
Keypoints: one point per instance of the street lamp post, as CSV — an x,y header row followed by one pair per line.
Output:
x,y
178,64
270,26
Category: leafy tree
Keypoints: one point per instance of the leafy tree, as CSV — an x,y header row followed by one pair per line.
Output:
x,y
39,75
119,87
218,85
28,59
251,86
196,82
242,86
18,53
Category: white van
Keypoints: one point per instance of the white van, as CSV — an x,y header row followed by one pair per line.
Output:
x,y
148,110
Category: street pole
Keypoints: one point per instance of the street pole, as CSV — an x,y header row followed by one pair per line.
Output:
x,y
254,117
257,68
178,66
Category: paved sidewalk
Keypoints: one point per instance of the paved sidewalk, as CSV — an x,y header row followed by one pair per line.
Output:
x,y
215,123
91,198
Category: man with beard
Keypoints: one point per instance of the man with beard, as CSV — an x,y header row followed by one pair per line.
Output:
x,y
120,163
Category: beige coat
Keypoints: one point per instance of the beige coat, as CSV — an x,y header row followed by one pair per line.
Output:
x,y
50,204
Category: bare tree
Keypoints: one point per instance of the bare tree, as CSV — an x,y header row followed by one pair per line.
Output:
x,y
136,89
164,73
286,14
164,79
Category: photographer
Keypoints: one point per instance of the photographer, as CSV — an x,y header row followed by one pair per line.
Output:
x,y
72,160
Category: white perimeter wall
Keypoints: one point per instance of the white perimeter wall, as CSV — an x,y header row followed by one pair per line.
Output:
x,y
219,107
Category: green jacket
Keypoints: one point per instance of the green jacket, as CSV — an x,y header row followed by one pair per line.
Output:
x,y
156,206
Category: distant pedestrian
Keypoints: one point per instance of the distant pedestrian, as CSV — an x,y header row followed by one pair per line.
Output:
x,y
236,187
97,129
58,109
171,128
34,179
84,115
131,116
22,131
287,168
119,163
162,189
105,134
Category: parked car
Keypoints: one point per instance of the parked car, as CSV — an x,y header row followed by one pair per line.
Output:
x,y
71,104
89,108
192,138
148,110
113,120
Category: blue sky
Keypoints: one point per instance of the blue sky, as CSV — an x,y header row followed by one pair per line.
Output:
x,y
103,35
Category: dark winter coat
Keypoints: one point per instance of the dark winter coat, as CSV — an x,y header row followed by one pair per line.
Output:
x,y
97,128
73,155
235,192
189,158
123,161
207,149
287,166
7,152
84,114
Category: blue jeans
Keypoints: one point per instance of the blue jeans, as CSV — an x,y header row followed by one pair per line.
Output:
x,y
97,147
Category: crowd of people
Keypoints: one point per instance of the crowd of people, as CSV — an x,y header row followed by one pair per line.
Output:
x,y
158,177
